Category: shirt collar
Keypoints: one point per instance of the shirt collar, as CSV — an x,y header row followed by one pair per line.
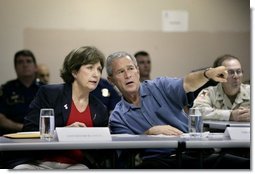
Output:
x,y
127,106
20,84
143,90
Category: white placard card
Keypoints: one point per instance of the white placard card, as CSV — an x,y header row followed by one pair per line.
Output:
x,y
83,134
238,133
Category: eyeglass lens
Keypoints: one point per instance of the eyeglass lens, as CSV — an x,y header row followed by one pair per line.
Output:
x,y
232,72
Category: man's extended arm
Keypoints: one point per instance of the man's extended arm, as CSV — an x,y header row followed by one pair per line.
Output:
x,y
197,79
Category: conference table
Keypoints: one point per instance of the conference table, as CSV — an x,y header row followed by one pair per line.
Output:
x,y
124,141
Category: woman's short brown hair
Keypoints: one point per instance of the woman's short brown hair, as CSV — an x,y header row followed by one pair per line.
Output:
x,y
78,57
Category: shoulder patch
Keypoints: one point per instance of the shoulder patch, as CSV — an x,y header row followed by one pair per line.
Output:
x,y
203,94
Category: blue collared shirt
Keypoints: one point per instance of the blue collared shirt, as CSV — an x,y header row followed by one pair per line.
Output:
x,y
162,102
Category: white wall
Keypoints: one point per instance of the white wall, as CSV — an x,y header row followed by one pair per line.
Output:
x,y
205,16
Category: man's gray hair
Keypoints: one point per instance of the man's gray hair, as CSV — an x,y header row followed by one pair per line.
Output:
x,y
117,55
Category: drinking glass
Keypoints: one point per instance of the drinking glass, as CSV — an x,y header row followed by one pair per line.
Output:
x,y
47,124
195,123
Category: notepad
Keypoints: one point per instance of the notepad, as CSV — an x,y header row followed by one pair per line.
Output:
x,y
20,135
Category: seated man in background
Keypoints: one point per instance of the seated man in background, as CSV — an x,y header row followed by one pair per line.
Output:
x,y
43,74
154,107
16,95
228,100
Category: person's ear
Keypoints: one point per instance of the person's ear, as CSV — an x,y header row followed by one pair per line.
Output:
x,y
74,73
137,67
138,70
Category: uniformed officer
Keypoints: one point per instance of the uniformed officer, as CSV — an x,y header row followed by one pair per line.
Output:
x,y
226,101
107,94
16,95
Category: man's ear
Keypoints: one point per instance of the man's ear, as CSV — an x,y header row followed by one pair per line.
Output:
x,y
138,69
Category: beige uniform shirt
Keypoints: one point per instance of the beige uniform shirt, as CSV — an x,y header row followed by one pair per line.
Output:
x,y
216,105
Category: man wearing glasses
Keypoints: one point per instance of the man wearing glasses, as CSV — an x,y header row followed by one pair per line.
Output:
x,y
229,100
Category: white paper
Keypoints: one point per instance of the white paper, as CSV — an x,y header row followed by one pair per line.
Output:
x,y
175,21
124,135
238,133
32,132
83,134
162,135
203,135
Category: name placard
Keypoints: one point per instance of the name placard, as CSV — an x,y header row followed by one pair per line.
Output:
x,y
83,134
238,133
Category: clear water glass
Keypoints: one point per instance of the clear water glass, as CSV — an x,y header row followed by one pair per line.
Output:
x,y
47,124
195,123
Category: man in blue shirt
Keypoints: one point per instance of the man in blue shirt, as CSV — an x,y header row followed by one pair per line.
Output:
x,y
154,106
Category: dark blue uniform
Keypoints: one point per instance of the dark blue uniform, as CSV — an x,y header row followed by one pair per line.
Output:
x,y
106,94
15,99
